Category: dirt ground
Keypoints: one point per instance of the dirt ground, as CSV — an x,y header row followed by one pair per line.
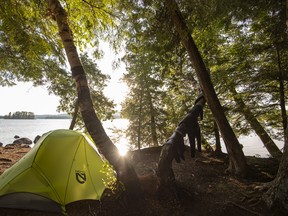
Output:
x,y
203,188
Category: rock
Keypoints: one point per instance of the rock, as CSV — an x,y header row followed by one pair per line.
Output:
x,y
23,140
1,144
36,139
24,146
5,160
16,137
17,145
9,146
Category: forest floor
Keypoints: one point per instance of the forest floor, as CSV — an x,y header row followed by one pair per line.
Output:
x,y
203,188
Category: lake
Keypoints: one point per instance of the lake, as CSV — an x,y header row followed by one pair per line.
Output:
x,y
31,128
252,145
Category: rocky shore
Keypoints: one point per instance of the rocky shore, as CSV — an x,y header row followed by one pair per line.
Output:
x,y
22,142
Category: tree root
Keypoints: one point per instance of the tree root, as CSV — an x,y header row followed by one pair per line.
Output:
x,y
251,198
243,208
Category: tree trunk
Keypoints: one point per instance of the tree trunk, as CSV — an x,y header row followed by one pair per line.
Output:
x,y
277,195
152,121
218,150
174,148
140,121
75,114
124,169
257,127
239,165
282,93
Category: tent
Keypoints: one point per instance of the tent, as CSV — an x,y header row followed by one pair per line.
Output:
x,y
64,166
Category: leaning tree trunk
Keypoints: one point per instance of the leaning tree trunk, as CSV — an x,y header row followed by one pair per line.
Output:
x,y
174,148
124,169
257,127
75,114
277,195
238,162
218,150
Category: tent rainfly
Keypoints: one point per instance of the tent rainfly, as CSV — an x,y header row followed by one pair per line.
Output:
x,y
64,166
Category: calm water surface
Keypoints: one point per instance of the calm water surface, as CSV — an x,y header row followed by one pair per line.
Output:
x,y
29,128
252,145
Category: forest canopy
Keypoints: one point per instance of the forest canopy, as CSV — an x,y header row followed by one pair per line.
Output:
x,y
244,46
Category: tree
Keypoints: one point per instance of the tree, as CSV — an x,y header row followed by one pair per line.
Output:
x,y
256,44
174,147
26,49
267,141
237,160
63,86
32,50
125,170
157,71
143,105
277,195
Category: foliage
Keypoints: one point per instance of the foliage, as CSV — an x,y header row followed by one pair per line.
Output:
x,y
244,44
63,86
110,174
20,115
157,74
26,44
248,61
239,43
31,50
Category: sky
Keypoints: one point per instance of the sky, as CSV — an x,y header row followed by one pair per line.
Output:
x,y
25,97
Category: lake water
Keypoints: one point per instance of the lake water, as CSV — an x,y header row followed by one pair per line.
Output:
x,y
252,145
31,128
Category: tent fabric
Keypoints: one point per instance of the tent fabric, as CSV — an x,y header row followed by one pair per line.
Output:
x,y
64,166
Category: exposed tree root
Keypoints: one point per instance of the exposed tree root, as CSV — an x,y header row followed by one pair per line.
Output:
x,y
243,208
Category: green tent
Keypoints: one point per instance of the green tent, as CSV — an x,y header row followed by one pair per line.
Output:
x,y
64,166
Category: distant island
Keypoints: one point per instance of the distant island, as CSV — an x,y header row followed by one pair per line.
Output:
x,y
20,115
31,115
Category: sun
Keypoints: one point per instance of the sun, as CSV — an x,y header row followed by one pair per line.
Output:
x,y
122,147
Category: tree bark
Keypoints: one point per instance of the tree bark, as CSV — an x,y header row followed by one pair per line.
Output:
x,y
239,165
152,121
218,150
277,196
75,114
257,127
174,148
124,169
282,93
140,120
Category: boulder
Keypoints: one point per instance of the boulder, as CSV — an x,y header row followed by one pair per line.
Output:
x,y
16,137
18,145
36,139
22,140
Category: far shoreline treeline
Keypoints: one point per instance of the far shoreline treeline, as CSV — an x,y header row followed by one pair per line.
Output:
x,y
24,115
30,115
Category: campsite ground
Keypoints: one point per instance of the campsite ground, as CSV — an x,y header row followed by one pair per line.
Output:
x,y
202,184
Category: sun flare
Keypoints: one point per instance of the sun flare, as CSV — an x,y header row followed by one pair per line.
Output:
x,y
122,147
